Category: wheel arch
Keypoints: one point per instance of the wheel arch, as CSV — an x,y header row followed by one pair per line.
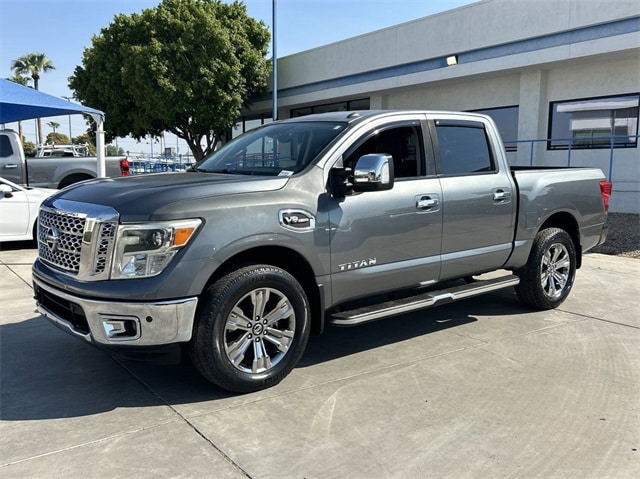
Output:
x,y
567,222
72,178
287,259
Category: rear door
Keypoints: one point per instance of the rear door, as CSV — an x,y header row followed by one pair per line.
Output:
x,y
10,161
478,196
387,240
14,215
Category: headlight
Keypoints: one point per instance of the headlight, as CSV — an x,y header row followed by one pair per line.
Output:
x,y
144,250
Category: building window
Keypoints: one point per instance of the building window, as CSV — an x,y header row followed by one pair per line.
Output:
x,y
361,104
506,119
249,122
594,123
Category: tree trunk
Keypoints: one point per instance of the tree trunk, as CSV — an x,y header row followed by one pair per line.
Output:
x,y
39,141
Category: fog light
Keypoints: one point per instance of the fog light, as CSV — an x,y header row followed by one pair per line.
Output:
x,y
121,329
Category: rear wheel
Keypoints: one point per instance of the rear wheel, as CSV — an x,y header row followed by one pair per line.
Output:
x,y
75,178
251,330
547,278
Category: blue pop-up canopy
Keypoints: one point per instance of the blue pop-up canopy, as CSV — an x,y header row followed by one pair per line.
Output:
x,y
19,103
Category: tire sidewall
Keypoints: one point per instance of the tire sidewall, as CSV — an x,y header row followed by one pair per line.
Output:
x,y
247,280
543,245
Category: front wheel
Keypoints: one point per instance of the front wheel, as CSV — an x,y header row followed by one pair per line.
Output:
x,y
251,330
547,278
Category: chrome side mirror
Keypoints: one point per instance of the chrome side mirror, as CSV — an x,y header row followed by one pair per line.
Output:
x,y
373,172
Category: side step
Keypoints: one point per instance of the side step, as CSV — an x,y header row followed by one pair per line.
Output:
x,y
426,300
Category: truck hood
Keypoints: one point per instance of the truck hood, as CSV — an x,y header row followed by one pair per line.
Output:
x,y
139,196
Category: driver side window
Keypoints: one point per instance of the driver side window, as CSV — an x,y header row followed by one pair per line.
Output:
x,y
402,143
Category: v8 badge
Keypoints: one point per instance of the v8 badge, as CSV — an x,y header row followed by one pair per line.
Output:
x,y
297,220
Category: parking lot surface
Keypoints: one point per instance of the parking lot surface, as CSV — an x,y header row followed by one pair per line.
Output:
x,y
477,389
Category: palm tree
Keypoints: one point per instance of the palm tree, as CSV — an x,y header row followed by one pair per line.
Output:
x,y
54,125
24,81
32,64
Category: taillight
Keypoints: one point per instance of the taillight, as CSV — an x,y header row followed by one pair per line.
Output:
x,y
124,167
605,191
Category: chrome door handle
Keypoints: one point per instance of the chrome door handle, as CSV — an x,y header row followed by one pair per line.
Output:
x,y
10,167
501,195
426,203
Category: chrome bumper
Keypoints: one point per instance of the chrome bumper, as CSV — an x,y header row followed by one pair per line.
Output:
x,y
116,323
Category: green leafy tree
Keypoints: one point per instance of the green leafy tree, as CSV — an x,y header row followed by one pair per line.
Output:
x,y
186,66
32,64
53,125
89,140
57,138
113,150
29,147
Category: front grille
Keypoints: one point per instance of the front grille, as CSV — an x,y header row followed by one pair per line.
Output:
x,y
60,239
77,238
105,240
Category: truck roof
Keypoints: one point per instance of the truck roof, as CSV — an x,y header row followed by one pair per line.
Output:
x,y
362,115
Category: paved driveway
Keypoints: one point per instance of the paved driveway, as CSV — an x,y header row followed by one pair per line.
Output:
x,y
477,389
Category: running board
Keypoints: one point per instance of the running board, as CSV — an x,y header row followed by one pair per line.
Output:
x,y
426,300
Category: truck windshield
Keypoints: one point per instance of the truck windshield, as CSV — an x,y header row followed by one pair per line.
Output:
x,y
277,149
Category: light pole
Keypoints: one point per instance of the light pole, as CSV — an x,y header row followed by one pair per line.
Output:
x,y
70,137
275,62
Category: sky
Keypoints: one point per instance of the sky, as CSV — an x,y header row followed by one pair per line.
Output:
x,y
62,29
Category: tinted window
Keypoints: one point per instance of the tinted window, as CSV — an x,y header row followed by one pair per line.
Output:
x,y
360,104
594,122
463,150
5,147
402,143
506,120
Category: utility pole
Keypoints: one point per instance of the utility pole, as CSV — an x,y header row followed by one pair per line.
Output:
x,y
70,137
275,63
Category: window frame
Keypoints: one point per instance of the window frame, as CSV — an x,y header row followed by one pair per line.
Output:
x,y
312,109
509,145
421,152
471,124
573,142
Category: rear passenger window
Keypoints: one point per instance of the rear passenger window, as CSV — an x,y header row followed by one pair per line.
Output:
x,y
464,149
5,147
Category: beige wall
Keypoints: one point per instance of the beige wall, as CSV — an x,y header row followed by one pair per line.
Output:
x,y
522,66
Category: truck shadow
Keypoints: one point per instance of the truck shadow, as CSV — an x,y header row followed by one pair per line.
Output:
x,y
47,374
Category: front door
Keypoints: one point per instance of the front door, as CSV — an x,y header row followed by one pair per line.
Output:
x,y
387,240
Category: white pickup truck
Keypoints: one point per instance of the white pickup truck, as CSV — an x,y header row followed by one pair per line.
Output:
x,y
51,170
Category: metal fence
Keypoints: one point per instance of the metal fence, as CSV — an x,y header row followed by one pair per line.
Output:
x,y
610,144
141,166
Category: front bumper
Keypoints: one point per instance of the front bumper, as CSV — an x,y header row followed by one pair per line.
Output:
x,y
117,323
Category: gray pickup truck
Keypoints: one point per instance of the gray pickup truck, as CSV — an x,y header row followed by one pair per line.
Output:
x,y
54,167
342,217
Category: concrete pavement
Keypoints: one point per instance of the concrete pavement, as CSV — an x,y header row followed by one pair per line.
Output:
x,y
481,388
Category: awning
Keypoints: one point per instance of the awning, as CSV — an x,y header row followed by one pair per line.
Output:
x,y
19,103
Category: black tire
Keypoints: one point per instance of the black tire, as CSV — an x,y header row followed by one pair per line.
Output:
x,y
34,232
547,278
251,330
75,178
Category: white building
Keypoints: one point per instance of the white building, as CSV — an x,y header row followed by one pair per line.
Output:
x,y
563,72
